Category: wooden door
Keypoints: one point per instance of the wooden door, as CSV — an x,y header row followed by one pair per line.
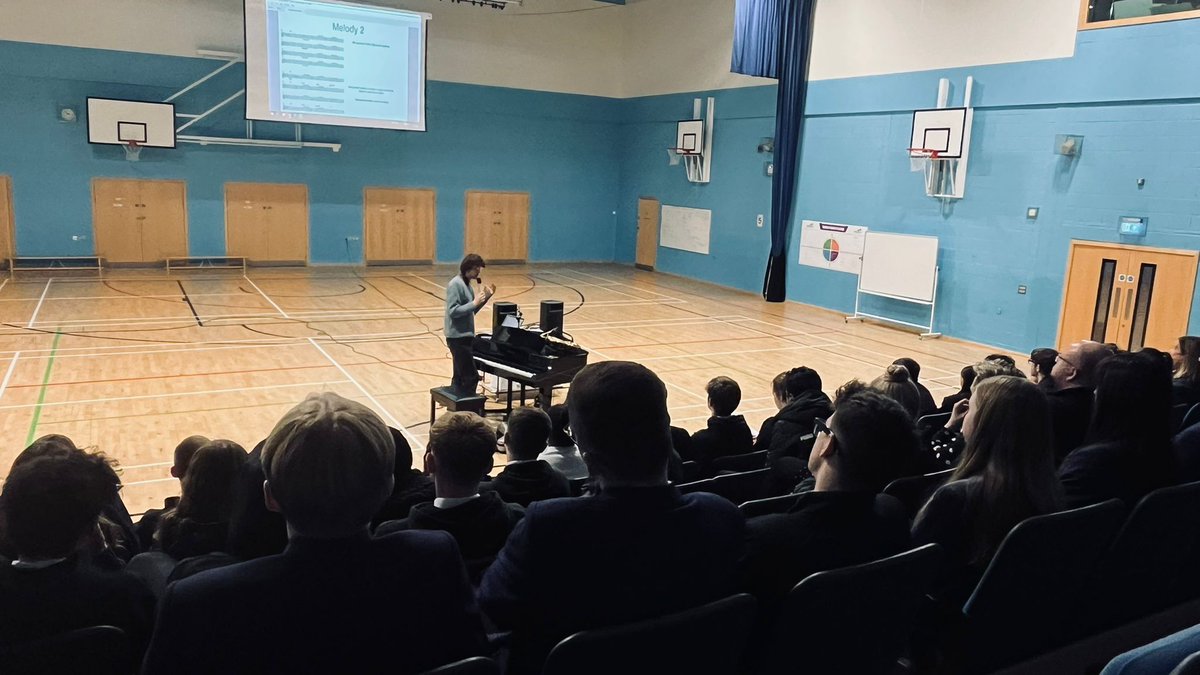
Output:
x,y
647,232
7,224
497,225
117,216
246,220
164,219
1130,296
287,237
399,225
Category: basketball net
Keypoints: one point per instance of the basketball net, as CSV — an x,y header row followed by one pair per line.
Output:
x,y
132,151
939,171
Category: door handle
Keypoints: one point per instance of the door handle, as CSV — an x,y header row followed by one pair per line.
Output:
x,y
1129,305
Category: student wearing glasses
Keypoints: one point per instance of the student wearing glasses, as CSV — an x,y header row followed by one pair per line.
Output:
x,y
843,520
1072,382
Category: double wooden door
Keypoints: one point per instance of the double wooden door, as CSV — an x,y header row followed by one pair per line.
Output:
x,y
1130,296
267,222
647,232
139,221
399,225
497,226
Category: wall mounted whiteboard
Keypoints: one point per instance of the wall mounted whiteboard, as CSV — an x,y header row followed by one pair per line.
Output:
x,y
685,229
900,266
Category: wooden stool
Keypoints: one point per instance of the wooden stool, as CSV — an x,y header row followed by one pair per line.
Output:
x,y
452,401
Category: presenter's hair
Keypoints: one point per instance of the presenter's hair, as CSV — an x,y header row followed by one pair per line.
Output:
x,y
471,261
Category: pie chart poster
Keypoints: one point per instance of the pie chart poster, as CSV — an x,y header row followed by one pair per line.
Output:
x,y
832,246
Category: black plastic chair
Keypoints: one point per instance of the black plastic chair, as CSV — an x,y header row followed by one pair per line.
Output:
x,y
690,472
928,425
739,463
736,487
1151,558
707,640
762,507
914,491
578,486
1191,418
1028,599
476,665
852,620
1189,666
97,650
1178,415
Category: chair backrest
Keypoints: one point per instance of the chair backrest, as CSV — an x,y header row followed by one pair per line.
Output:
x,y
578,485
690,471
851,620
736,487
762,507
1029,595
1192,417
1178,414
914,491
927,425
97,650
476,665
1152,554
745,462
707,640
1188,666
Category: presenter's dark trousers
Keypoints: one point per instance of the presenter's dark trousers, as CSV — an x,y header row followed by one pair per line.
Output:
x,y
466,378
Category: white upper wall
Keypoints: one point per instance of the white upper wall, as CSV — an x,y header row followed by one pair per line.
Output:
x,y
643,48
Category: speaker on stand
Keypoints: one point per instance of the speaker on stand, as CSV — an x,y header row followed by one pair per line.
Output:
x,y
551,319
501,311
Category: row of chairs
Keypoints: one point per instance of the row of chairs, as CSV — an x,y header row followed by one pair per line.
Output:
x,y
1183,416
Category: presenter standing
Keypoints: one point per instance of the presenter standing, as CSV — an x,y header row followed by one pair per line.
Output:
x,y
461,305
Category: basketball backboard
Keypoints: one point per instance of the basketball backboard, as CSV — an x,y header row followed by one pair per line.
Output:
x,y
941,130
689,137
120,122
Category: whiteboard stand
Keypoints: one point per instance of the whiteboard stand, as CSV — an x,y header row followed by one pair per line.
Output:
x,y
859,315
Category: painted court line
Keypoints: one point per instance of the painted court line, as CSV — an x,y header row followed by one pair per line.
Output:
x,y
210,392
379,406
267,298
5,283
33,317
12,365
740,351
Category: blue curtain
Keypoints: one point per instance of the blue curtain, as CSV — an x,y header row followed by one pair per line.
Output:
x,y
773,38
756,38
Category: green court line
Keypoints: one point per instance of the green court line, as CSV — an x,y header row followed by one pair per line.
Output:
x,y
37,410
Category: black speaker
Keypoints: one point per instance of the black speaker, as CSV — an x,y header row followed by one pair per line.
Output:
x,y
500,311
552,317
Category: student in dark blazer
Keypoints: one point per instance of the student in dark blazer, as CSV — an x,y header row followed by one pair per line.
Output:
x,y
726,433
638,549
335,600
927,407
148,525
844,520
1072,387
791,436
527,479
411,487
461,446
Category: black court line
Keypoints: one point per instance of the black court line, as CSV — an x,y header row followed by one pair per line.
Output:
x,y
189,303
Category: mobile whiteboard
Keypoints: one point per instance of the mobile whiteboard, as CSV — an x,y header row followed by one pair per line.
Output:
x,y
901,267
685,229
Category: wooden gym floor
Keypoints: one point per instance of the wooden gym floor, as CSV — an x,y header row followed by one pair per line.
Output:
x,y
133,362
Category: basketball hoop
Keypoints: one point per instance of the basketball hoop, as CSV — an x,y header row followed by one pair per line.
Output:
x,y
939,171
920,158
133,151
675,154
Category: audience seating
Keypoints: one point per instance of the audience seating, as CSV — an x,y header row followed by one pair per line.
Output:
x,y
852,620
707,640
98,650
736,487
1192,417
578,485
476,665
914,491
739,463
1178,414
1150,559
762,507
689,472
928,425
1189,666
1029,596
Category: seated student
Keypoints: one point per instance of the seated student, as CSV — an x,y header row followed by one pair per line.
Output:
x,y
927,407
636,550
896,383
945,447
411,487
1185,359
1072,386
1002,358
791,435
1006,475
526,479
459,455
148,524
726,434
52,507
966,377
561,453
1041,362
254,530
336,600
200,523
779,395
843,521
1128,449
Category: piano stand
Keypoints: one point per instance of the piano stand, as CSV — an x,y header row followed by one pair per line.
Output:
x,y
452,401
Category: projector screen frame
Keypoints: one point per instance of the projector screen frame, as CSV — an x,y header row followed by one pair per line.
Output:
x,y
334,120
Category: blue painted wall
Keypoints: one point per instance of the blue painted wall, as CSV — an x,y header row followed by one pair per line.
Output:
x,y
1125,91
558,147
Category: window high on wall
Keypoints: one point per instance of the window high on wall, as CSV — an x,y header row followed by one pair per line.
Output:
x,y
1108,13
